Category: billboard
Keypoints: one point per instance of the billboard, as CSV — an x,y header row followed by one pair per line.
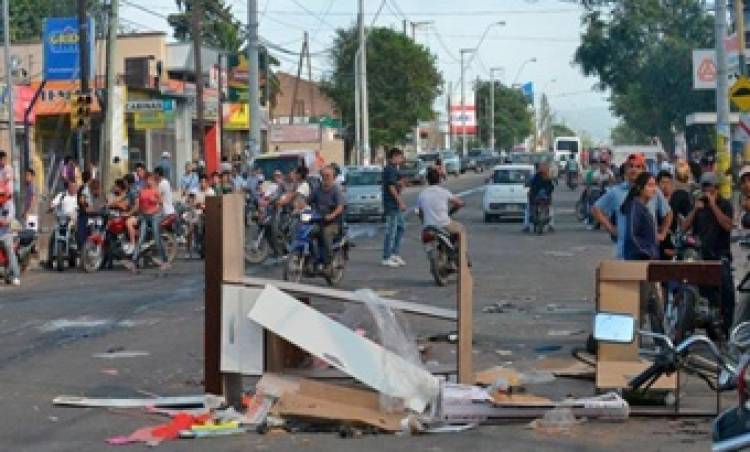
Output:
x,y
61,48
457,120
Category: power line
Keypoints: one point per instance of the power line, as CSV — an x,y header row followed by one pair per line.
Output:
x,y
311,12
400,13
444,45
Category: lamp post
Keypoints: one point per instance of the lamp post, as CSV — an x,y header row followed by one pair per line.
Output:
x,y
523,65
492,104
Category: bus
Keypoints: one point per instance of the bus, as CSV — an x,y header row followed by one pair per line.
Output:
x,y
567,147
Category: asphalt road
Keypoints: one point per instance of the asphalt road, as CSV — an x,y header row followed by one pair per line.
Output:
x,y
54,323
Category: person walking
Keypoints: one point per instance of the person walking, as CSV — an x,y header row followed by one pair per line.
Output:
x,y
393,208
640,227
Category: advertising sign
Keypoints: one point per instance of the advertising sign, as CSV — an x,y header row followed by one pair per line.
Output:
x,y
61,48
236,116
151,120
149,105
457,120
237,75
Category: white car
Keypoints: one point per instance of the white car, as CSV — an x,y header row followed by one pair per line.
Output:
x,y
506,194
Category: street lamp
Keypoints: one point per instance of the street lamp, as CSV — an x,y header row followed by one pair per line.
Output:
x,y
492,104
419,23
463,94
523,65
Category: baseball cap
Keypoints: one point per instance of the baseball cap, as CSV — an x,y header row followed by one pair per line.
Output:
x,y
709,178
637,158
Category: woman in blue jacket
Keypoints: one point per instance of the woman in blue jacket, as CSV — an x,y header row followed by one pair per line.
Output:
x,y
640,238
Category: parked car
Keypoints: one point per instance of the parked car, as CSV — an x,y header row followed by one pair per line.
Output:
x,y
451,162
414,171
474,160
428,158
506,194
364,193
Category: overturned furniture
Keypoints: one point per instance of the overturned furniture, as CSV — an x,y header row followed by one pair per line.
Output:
x,y
283,323
622,288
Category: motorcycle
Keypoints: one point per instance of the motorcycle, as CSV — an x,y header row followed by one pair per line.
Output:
x,y
572,179
24,245
105,245
63,243
305,258
442,253
540,216
270,235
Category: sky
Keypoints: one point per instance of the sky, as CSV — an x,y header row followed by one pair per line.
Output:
x,y
547,30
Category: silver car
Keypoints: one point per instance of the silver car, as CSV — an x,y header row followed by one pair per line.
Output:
x,y
364,193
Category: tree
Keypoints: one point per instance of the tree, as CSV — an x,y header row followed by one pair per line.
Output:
x,y
402,79
641,52
220,29
624,134
513,119
562,130
27,16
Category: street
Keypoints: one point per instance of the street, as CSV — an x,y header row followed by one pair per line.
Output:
x,y
52,325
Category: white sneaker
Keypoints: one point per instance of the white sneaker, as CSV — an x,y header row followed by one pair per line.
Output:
x,y
389,263
128,248
398,260
16,282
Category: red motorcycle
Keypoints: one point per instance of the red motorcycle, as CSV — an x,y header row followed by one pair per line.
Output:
x,y
106,244
24,245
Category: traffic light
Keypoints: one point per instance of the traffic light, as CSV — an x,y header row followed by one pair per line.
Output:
x,y
80,111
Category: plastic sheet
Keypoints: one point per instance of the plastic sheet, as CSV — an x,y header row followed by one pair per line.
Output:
x,y
383,325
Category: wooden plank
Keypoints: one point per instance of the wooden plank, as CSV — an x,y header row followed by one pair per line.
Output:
x,y
159,402
617,374
359,357
343,295
465,293
617,270
704,273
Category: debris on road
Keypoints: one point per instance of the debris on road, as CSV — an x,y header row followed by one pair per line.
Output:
x,y
557,420
116,354
565,332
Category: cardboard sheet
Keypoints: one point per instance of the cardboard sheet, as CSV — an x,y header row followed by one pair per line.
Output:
x,y
342,348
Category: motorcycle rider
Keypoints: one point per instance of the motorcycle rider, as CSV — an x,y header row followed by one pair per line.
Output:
x,y
539,182
149,207
435,204
66,203
608,206
711,221
7,215
571,170
328,202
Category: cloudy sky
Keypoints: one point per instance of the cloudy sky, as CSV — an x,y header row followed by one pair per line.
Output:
x,y
548,30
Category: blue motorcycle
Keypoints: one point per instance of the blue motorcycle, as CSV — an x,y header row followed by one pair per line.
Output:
x,y
305,257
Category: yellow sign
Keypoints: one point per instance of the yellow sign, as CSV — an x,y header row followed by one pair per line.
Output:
x,y
145,120
236,116
740,93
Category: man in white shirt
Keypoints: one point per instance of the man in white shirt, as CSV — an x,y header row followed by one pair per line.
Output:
x,y
165,191
66,202
435,204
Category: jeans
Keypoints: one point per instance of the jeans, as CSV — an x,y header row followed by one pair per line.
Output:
x,y
6,242
394,231
150,222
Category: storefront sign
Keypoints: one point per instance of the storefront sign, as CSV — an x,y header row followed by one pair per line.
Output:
x,y
55,98
146,120
236,116
145,105
295,133
61,48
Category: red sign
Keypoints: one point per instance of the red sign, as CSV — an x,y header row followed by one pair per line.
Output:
x,y
458,120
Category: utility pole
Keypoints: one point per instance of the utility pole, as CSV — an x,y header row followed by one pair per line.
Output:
x,y
196,18
463,103
357,114
220,99
739,25
296,80
9,85
252,77
105,155
448,101
492,107
723,158
365,160
83,48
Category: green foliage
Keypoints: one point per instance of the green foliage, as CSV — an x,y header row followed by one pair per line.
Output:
x,y
562,130
624,134
513,119
402,80
641,52
27,16
220,29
